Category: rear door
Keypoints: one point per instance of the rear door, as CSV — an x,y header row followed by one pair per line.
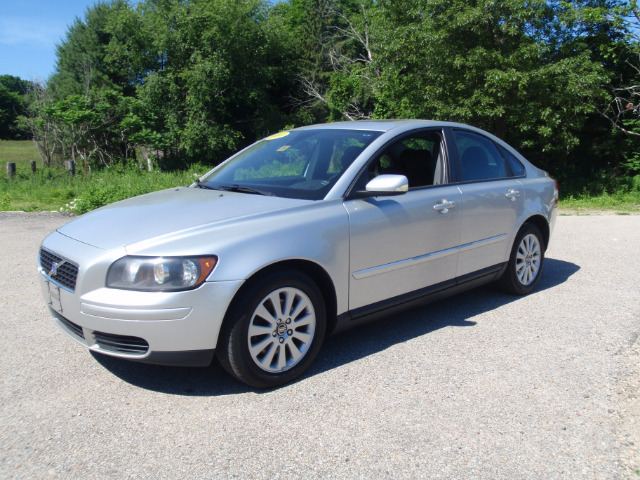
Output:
x,y
492,202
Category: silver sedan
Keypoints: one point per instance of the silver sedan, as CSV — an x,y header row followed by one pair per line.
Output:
x,y
304,233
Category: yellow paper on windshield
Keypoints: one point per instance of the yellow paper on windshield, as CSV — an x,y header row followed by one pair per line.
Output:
x,y
277,135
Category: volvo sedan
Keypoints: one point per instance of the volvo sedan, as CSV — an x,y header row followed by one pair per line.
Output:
x,y
302,234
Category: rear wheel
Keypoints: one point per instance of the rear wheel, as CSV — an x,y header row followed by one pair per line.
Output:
x,y
274,331
525,262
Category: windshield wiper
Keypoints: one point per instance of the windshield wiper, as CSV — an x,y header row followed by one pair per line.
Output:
x,y
241,189
204,185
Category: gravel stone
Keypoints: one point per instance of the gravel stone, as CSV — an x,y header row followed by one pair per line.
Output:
x,y
478,386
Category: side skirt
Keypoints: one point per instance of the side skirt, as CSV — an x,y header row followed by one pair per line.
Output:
x,y
378,310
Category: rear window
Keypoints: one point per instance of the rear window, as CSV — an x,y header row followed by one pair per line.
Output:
x,y
516,166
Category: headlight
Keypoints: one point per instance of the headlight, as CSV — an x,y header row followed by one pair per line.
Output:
x,y
159,273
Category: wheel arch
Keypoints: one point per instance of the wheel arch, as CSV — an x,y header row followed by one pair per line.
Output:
x,y
315,272
543,225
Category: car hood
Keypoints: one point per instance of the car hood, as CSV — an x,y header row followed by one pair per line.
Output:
x,y
168,213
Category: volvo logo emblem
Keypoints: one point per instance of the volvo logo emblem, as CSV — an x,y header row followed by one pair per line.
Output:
x,y
54,268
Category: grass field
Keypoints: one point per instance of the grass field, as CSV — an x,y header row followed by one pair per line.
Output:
x,y
54,189
21,152
621,202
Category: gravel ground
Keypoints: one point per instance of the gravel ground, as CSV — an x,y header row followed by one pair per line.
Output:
x,y
483,385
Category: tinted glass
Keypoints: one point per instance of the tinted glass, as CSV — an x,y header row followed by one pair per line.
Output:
x,y
479,157
517,168
298,164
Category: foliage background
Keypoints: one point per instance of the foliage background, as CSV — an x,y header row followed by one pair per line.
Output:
x,y
170,84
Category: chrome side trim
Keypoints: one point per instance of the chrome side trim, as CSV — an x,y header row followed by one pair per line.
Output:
x,y
478,243
410,262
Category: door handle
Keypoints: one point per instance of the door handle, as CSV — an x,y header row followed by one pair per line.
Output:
x,y
512,194
443,206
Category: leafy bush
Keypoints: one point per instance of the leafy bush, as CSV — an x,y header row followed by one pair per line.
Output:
x,y
118,183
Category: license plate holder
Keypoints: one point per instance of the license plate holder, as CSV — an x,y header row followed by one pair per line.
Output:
x,y
54,296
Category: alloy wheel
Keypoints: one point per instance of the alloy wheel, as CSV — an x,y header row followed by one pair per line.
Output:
x,y
528,259
281,329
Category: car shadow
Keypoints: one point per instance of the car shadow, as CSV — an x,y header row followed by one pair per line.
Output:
x,y
340,349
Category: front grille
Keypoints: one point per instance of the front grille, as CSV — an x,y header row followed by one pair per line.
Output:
x,y
121,343
71,327
65,272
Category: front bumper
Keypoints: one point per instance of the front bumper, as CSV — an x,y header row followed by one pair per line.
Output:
x,y
169,328
130,348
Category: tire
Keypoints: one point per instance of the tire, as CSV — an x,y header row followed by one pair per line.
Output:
x,y
274,330
525,262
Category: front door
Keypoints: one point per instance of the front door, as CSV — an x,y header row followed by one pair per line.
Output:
x,y
402,244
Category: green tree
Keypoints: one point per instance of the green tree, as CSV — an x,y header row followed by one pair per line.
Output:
x,y
623,109
605,157
90,106
334,45
216,78
194,80
13,103
83,57
513,67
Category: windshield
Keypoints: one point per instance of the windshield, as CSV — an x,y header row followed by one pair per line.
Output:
x,y
301,164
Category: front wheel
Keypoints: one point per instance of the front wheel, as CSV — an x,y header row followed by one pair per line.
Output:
x,y
525,262
274,330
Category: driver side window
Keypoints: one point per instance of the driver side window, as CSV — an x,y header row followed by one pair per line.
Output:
x,y
419,157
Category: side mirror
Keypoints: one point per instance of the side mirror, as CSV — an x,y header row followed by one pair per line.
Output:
x,y
388,185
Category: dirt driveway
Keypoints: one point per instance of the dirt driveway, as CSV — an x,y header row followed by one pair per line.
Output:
x,y
483,385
